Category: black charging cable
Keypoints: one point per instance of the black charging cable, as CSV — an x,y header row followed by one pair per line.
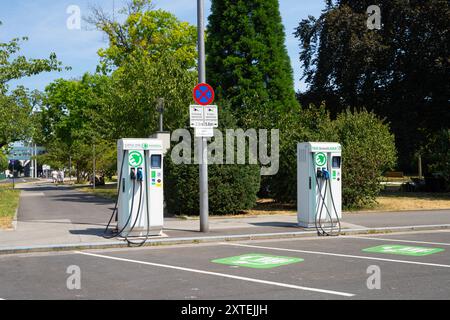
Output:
x,y
145,178
119,233
117,199
138,214
317,222
324,174
319,214
337,215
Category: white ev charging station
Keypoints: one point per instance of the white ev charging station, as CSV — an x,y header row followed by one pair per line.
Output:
x,y
319,186
140,202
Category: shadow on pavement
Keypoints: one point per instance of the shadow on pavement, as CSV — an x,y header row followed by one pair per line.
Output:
x,y
64,222
276,224
80,197
89,232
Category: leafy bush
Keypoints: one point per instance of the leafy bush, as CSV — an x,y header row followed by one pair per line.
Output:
x,y
309,124
232,187
368,149
3,161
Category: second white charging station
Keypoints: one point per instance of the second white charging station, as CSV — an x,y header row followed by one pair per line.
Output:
x,y
140,205
319,185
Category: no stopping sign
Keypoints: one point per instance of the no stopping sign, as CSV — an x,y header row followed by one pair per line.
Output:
x,y
203,94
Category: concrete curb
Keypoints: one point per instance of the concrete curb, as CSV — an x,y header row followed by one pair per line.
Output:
x,y
209,239
294,213
14,222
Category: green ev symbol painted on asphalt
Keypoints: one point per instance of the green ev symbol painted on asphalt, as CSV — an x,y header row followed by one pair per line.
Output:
x,y
320,159
257,261
135,158
403,250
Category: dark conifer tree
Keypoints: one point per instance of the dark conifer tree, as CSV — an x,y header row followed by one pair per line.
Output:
x,y
247,60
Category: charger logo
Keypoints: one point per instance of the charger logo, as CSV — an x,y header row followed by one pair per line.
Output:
x,y
135,158
320,159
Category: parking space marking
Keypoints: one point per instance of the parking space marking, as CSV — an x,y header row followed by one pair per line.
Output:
x,y
403,250
223,275
338,255
399,240
258,261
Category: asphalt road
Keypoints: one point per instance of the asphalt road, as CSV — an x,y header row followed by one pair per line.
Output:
x,y
49,202
332,268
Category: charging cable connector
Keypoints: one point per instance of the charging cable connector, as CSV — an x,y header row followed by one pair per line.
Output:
x,y
139,175
133,174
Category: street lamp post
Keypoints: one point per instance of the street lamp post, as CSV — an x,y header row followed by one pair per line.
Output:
x,y
160,109
93,166
35,162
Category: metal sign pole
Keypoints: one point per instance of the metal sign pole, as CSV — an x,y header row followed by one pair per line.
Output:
x,y
93,166
13,178
31,146
203,151
35,162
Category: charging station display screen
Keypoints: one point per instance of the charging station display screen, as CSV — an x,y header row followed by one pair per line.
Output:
x,y
336,162
155,161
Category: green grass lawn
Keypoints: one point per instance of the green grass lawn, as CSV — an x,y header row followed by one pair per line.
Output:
x,y
9,201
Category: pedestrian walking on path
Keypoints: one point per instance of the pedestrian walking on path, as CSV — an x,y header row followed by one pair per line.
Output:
x,y
61,176
54,176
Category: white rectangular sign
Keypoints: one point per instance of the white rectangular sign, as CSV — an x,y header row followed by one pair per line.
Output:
x,y
211,116
204,116
204,132
196,115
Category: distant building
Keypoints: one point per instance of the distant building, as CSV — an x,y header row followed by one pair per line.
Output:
x,y
23,152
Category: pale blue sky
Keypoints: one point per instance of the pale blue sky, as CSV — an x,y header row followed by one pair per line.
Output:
x,y
44,22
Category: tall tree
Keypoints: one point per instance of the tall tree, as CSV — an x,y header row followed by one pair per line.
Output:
x,y
16,106
72,120
151,55
401,71
144,33
247,60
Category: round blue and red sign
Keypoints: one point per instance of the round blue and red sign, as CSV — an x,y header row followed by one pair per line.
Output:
x,y
203,94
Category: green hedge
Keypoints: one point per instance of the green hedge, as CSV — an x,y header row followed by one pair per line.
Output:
x,y
368,150
232,187
309,124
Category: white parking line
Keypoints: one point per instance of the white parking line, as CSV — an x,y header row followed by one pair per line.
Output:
x,y
224,275
400,240
338,255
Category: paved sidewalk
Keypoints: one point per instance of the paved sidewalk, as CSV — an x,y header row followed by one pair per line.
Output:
x,y
52,215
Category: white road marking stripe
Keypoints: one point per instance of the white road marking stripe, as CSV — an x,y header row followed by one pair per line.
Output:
x,y
224,275
400,240
339,255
